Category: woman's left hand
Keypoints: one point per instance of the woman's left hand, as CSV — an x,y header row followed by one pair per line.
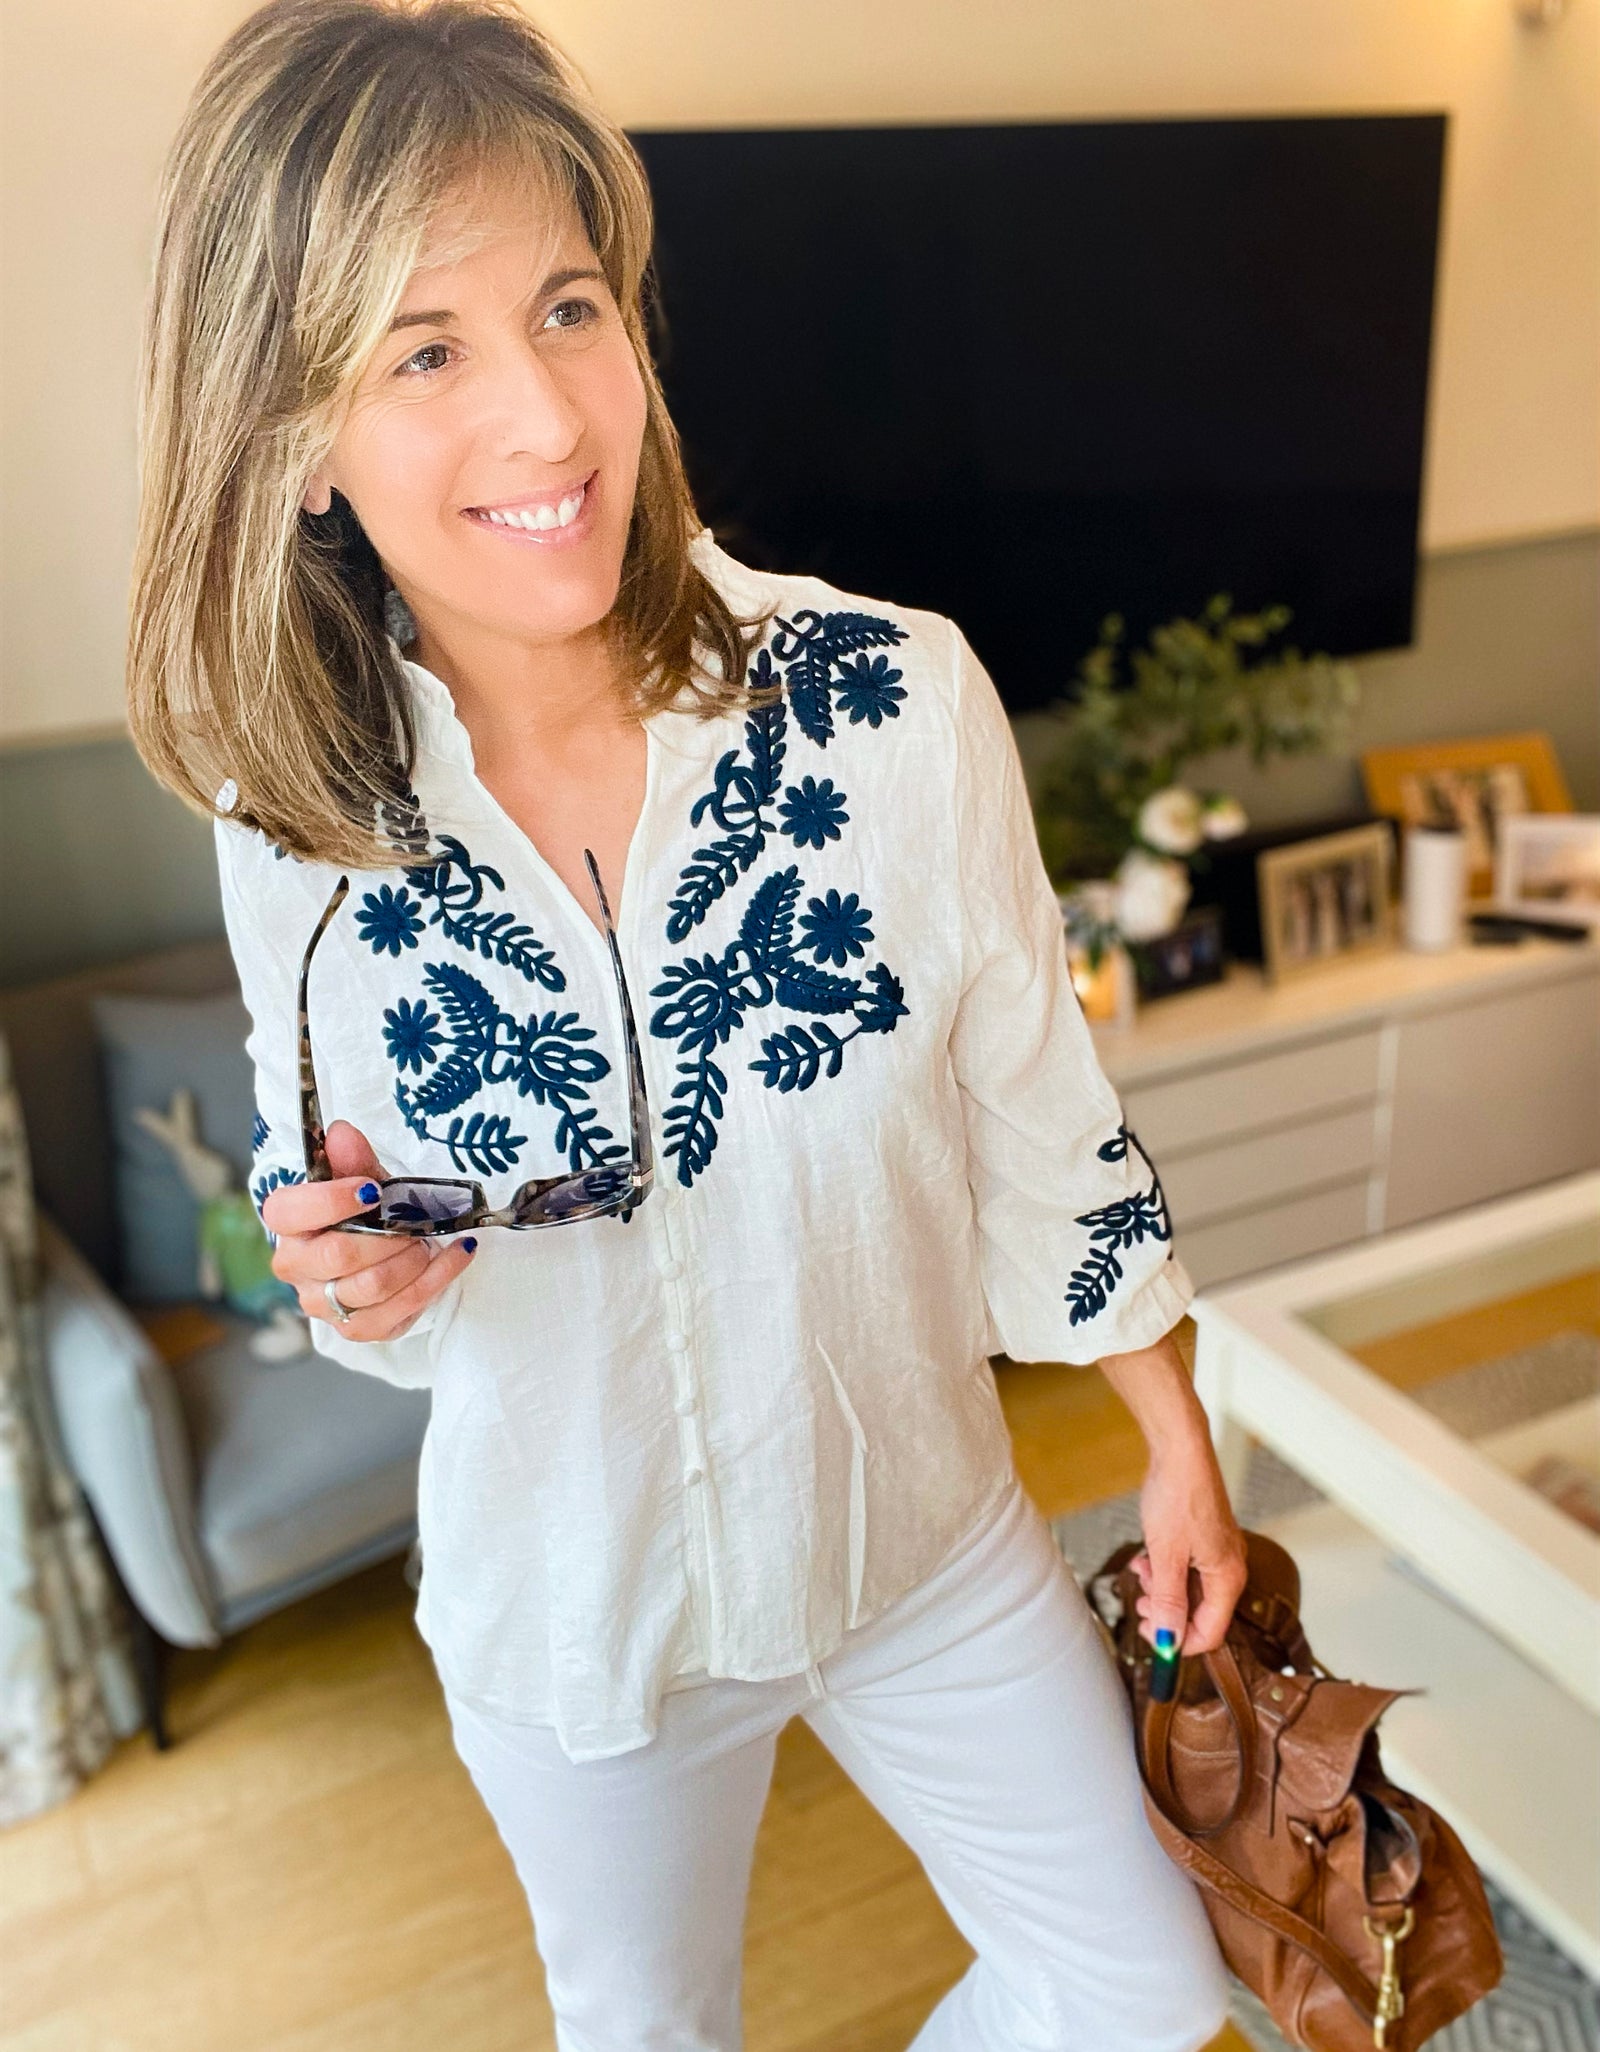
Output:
x,y
1188,1524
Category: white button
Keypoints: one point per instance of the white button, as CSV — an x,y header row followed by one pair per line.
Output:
x,y
693,1474
677,1341
685,1406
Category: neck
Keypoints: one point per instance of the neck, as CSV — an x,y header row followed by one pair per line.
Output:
x,y
547,700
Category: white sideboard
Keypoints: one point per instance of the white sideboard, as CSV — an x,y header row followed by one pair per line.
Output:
x,y
1375,1093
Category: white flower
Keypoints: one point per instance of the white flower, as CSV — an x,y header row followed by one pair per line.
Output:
x,y
1170,820
1152,891
1222,817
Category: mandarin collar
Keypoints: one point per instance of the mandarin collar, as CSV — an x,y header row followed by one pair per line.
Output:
x,y
443,734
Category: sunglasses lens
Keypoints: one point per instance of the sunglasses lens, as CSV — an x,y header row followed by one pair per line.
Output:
x,y
588,1192
414,1203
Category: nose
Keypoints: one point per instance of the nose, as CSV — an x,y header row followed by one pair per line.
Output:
x,y
529,406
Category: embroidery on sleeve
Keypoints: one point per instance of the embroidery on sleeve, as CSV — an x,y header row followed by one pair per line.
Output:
x,y
824,662
1113,1227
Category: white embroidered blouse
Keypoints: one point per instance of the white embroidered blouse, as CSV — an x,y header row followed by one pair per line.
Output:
x,y
710,1438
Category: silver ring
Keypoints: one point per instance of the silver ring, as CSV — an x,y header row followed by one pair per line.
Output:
x,y
340,1311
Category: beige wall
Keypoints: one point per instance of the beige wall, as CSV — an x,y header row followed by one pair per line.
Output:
x,y
90,93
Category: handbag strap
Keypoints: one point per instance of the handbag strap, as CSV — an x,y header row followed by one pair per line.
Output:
x,y
1229,1685
1250,1901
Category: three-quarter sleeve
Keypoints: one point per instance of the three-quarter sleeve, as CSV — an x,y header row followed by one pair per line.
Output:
x,y
1075,1241
268,967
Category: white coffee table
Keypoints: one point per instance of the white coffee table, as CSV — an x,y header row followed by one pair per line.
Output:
x,y
1433,1565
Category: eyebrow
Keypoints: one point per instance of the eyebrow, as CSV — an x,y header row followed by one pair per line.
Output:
x,y
436,317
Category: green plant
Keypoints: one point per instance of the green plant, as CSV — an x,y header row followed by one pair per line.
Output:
x,y
1193,691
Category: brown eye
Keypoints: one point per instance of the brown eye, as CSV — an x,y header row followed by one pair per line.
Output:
x,y
427,349
586,308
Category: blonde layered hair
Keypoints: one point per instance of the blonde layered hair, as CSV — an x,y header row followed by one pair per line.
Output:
x,y
295,203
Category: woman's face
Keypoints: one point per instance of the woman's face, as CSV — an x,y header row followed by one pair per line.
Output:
x,y
506,387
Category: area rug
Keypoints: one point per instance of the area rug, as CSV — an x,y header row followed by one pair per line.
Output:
x,y
1545,2003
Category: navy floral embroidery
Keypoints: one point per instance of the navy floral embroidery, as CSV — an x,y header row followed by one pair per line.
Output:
x,y
542,1055
1113,1227
388,921
810,648
453,887
463,1040
264,1185
836,928
813,813
869,690
411,1034
823,660
709,996
260,1134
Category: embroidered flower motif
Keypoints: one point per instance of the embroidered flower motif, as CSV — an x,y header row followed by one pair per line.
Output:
x,y
836,928
262,1188
388,921
708,996
260,1134
870,690
813,813
411,1034
810,648
1123,1223
542,1055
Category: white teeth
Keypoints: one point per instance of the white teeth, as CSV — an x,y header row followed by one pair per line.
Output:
x,y
541,516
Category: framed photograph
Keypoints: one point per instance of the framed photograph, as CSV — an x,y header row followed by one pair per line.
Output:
x,y
1548,867
1326,899
1475,784
1189,955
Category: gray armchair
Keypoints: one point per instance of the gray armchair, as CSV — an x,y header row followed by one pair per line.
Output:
x,y
224,1486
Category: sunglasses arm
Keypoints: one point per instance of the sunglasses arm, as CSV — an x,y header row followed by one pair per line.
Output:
x,y
313,1138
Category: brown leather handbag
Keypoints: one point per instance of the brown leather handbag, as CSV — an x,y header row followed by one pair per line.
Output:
x,y
1347,1905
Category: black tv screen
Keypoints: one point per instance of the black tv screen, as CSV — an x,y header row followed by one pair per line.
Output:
x,y
1032,374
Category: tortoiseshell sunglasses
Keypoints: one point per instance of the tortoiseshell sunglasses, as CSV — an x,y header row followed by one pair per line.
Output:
x,y
416,1205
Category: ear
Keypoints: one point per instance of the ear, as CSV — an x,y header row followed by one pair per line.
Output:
x,y
318,495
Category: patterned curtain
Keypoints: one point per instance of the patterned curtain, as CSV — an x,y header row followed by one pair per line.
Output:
x,y
68,1688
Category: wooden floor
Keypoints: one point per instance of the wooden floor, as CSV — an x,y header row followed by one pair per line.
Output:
x,y
309,1869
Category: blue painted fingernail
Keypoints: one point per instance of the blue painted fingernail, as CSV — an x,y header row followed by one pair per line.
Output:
x,y
1165,1637
368,1193
470,1242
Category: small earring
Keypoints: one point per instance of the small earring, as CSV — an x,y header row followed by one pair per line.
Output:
x,y
398,618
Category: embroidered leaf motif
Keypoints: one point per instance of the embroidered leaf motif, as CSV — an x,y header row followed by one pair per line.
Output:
x,y
823,658
1125,1222
792,1059
690,1126
484,1143
811,646
454,887
451,1084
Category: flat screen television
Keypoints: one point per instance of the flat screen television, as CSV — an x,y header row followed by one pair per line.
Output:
x,y
1032,374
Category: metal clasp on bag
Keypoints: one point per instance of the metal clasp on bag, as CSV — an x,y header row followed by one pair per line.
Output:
x,y
1391,2003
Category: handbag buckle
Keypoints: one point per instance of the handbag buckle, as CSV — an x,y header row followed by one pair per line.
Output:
x,y
1391,2003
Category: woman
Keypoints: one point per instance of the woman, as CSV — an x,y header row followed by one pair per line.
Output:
x,y
422,600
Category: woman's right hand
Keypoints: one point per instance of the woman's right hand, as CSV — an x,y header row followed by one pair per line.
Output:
x,y
384,1281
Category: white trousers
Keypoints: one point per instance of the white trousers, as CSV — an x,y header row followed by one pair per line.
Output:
x,y
982,1715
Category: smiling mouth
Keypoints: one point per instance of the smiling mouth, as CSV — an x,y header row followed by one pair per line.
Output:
x,y
541,518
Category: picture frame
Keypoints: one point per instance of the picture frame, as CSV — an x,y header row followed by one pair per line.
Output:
x,y
1188,955
1475,783
1326,899
1547,866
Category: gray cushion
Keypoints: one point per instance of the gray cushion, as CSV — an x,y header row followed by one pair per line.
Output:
x,y
300,1463
57,1067
150,1047
123,1433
